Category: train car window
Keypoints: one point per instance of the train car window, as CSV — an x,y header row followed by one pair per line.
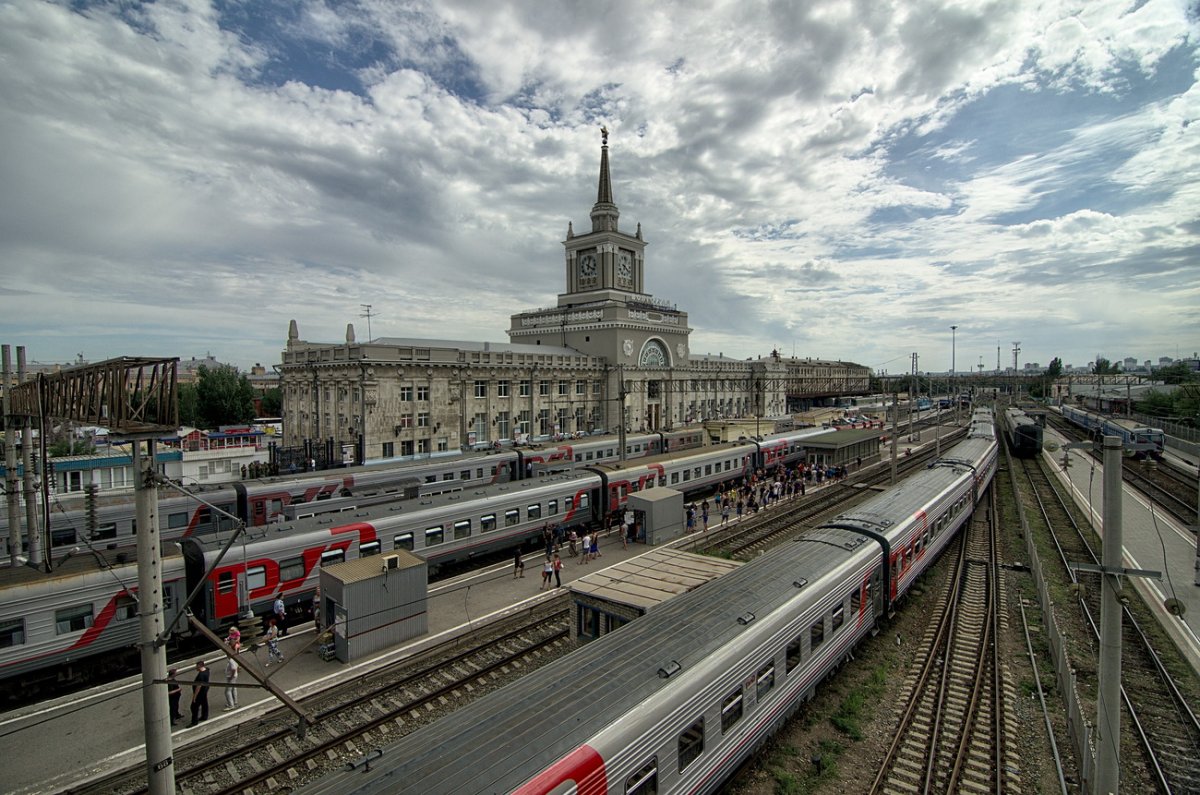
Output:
x,y
447,476
479,473
431,478
62,536
126,608
205,516
177,520
275,505
464,475
838,618
403,541
731,709
583,501
72,619
696,472
462,528
434,536
12,633
691,744
856,602
107,530
645,781
225,582
487,523
674,478
765,680
369,548
795,652
551,507
256,577
512,517
332,556
291,569
533,511
708,469
816,634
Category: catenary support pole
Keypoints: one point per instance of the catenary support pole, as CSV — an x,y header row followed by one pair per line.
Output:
x,y
10,463
160,765
895,427
32,531
1108,707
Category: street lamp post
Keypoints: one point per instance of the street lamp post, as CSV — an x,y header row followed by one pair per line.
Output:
x,y
953,340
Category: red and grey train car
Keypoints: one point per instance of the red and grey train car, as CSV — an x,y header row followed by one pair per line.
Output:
x,y
675,701
264,500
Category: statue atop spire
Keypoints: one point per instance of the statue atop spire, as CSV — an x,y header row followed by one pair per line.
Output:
x,y
604,212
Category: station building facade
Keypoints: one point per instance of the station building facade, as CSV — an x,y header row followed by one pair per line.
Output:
x,y
607,354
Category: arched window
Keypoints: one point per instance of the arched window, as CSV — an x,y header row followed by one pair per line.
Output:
x,y
654,355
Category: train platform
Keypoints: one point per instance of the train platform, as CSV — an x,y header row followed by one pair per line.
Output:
x,y
100,729
1151,540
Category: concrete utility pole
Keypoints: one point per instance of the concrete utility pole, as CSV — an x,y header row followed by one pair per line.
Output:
x,y
1108,703
160,764
10,463
32,531
895,414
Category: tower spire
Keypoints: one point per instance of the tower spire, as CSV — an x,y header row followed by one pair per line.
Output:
x,y
604,212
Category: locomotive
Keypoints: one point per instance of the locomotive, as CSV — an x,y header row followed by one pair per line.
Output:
x,y
676,700
1023,432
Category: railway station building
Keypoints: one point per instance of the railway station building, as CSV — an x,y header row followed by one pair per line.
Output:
x,y
607,354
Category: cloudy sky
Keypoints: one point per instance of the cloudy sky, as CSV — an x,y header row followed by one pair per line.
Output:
x,y
842,179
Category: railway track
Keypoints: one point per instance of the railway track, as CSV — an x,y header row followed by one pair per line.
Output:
x,y
1158,723
351,720
956,724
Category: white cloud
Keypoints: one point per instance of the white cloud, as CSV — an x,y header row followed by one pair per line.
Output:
x,y
200,179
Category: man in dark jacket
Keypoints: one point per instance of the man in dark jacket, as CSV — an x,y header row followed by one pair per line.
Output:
x,y
200,694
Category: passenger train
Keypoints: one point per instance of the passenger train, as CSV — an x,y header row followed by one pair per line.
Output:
x,y
1024,433
262,501
675,701
50,624
1098,425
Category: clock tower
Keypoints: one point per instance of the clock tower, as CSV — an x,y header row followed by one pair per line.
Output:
x,y
605,259
605,312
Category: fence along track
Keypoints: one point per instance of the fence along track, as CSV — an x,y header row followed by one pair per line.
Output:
x,y
953,733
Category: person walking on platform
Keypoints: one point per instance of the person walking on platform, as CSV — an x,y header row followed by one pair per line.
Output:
x,y
518,565
558,564
272,637
200,694
280,611
231,674
586,549
547,571
174,694
595,548
573,539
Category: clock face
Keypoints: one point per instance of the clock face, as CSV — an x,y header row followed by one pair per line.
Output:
x,y
587,266
624,267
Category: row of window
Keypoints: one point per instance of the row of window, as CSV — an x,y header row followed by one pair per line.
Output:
x,y
66,620
690,742
293,568
905,556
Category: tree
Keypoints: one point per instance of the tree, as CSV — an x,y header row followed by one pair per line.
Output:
x,y
1055,370
189,405
223,397
1178,373
1105,367
272,402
